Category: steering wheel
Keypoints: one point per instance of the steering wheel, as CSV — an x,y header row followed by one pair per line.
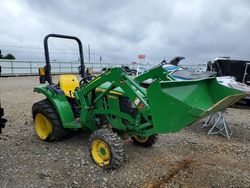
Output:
x,y
86,79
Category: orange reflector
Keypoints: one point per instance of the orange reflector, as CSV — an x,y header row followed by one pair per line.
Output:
x,y
41,72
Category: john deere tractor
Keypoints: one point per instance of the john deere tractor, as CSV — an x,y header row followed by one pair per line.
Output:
x,y
114,106
2,120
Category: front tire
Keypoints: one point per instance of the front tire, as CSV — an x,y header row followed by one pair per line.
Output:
x,y
106,149
48,125
145,141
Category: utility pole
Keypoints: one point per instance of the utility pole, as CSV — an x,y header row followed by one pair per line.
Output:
x,y
89,51
89,54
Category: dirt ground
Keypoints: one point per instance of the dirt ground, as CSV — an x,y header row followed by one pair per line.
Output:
x,y
188,158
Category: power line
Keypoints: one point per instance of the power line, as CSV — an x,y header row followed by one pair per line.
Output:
x,y
55,51
14,46
30,47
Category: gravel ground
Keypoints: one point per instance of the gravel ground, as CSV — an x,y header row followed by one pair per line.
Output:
x,y
188,158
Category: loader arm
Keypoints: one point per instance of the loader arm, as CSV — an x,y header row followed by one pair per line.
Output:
x,y
116,78
156,72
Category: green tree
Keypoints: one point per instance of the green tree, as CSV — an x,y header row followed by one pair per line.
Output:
x,y
9,56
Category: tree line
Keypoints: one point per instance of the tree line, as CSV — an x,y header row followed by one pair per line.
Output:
x,y
7,56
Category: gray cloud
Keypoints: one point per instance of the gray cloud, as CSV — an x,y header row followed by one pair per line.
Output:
x,y
120,30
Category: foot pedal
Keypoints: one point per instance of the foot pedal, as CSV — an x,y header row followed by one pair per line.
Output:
x,y
218,125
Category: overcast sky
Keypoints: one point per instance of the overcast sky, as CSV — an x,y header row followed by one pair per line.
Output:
x,y
121,30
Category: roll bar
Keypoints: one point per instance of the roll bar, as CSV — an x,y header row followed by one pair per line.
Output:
x,y
47,59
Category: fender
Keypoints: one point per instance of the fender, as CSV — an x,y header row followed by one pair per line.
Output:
x,y
60,103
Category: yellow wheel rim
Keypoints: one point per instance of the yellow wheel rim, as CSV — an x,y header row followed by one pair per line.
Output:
x,y
43,126
141,139
100,152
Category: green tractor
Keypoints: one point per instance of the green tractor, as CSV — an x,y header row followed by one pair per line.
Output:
x,y
2,120
113,106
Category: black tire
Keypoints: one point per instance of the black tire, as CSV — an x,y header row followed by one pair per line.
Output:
x,y
145,142
247,102
45,108
114,144
2,120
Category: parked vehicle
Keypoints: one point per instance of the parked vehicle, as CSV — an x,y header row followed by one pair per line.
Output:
x,y
234,70
140,70
129,70
239,69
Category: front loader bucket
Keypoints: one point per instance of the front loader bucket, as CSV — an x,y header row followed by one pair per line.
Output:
x,y
175,105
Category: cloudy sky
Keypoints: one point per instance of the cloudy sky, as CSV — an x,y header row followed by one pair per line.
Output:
x,y
121,30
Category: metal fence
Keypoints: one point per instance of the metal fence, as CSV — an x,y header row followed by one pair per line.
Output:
x,y
18,68
30,67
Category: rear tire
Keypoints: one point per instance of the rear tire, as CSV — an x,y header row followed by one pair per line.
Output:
x,y
106,149
145,141
48,125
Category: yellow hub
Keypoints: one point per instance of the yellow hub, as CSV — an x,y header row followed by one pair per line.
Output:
x,y
43,126
100,152
141,139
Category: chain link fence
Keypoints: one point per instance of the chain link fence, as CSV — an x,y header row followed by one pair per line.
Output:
x,y
26,68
